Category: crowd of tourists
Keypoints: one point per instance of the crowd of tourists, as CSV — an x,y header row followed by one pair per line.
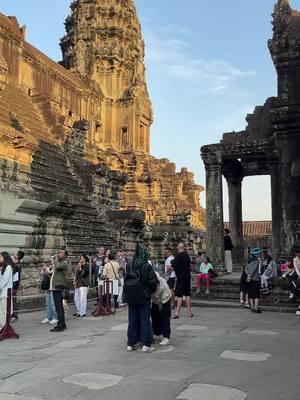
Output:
x,y
261,271
150,296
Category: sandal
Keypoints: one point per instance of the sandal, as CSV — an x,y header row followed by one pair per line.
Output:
x,y
175,316
191,315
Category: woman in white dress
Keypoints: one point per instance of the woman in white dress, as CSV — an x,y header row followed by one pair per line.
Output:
x,y
6,282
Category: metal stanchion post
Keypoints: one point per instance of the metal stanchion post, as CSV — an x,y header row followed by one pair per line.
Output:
x,y
90,270
100,310
7,332
108,307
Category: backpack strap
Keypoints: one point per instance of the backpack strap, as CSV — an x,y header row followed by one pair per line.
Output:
x,y
117,278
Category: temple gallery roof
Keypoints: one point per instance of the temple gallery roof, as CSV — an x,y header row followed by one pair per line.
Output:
x,y
255,228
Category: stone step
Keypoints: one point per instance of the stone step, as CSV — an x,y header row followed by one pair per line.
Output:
x,y
235,304
23,108
35,129
37,302
278,292
266,300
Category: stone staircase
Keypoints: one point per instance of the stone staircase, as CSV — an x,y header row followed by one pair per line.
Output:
x,y
225,290
59,185
17,111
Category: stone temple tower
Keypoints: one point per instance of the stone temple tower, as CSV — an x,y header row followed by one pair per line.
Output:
x,y
104,45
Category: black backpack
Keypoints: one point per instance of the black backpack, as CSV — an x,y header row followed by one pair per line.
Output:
x,y
133,288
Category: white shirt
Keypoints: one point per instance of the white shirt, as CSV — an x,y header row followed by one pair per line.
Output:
x,y
6,281
168,265
162,294
296,263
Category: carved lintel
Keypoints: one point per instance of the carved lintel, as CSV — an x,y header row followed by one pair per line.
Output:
x,y
212,156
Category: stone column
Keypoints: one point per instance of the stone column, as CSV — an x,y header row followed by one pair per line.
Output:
x,y
289,180
214,215
236,219
277,222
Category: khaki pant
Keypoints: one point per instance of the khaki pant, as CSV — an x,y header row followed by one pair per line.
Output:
x,y
228,260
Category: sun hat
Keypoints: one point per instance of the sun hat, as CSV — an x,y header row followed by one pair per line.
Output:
x,y
256,251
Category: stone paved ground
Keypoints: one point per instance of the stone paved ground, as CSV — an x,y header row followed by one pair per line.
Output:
x,y
220,354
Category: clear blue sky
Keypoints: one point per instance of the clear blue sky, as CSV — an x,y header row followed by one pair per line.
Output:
x,y
207,66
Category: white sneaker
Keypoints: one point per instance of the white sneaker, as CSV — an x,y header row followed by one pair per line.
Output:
x,y
165,342
147,349
45,321
130,348
53,322
291,296
207,291
298,313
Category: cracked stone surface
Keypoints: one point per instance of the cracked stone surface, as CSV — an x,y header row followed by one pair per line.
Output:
x,y
258,332
191,328
165,349
93,381
7,396
38,367
240,355
73,343
120,328
211,392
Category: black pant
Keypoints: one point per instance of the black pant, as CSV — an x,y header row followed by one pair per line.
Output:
x,y
58,300
116,304
161,319
139,325
15,310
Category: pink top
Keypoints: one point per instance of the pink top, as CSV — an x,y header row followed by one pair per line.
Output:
x,y
284,267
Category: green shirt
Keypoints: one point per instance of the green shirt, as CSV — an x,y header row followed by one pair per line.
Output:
x,y
60,280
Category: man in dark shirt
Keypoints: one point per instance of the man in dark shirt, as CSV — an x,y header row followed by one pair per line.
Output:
x,y
182,268
228,246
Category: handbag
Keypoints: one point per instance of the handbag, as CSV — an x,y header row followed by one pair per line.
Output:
x,y
45,284
213,274
249,277
117,278
166,276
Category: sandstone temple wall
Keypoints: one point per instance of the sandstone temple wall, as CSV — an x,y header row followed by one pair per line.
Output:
x,y
75,162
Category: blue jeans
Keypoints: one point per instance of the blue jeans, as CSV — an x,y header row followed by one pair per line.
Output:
x,y
139,325
50,306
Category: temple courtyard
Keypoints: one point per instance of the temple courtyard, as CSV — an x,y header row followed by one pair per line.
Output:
x,y
219,354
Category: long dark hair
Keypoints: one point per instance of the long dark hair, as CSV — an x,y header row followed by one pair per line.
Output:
x,y
85,257
7,261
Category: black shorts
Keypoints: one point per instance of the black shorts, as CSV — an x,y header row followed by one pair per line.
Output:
x,y
243,286
183,287
253,290
171,283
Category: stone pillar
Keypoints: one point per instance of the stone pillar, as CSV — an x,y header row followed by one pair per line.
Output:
x,y
289,181
214,214
236,219
277,222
